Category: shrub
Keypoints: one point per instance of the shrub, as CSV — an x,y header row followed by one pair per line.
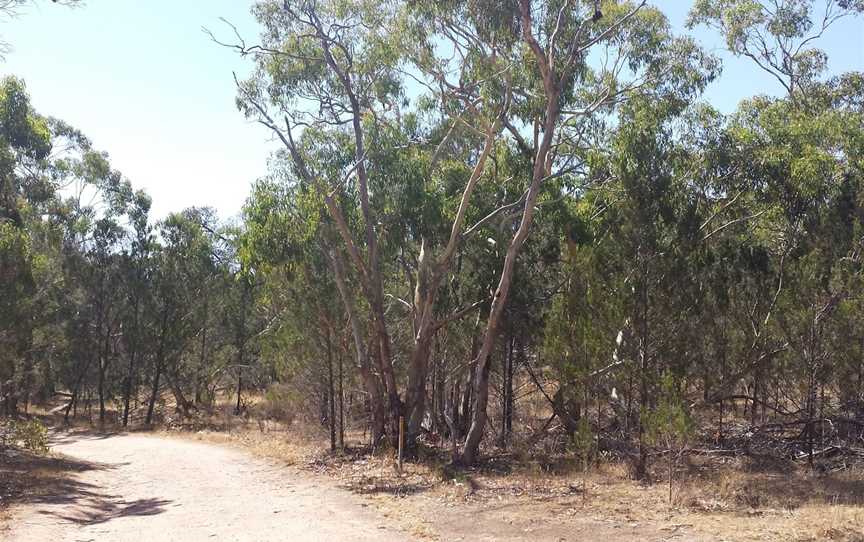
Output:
x,y
279,404
29,434
670,424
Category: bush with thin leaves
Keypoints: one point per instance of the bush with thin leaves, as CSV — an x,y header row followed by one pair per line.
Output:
x,y
669,424
30,434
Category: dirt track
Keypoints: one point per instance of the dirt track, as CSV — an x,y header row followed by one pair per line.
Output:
x,y
143,488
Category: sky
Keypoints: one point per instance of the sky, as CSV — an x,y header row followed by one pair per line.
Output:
x,y
148,86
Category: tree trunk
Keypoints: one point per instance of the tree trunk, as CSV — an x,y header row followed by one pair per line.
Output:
x,y
127,391
370,381
507,393
331,392
73,401
415,396
202,360
467,404
373,279
341,405
183,405
103,366
479,417
154,393
641,469
101,391
160,361
239,390
133,348
499,301
542,167
241,344
385,365
440,394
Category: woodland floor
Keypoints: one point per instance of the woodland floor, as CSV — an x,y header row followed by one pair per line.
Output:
x,y
512,497
272,485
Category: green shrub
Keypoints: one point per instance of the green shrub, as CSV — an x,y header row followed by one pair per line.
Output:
x,y
29,434
280,404
669,424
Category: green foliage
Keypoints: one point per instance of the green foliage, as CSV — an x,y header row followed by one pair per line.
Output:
x,y
281,403
584,439
30,434
669,423
723,252
778,36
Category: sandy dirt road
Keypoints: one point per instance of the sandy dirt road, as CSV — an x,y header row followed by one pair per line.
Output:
x,y
147,488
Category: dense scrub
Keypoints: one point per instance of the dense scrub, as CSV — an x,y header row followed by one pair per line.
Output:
x,y
509,225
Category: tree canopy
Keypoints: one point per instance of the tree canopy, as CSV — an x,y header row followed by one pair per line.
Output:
x,y
472,199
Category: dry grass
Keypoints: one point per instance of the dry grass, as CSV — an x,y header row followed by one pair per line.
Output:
x,y
541,497
287,447
713,498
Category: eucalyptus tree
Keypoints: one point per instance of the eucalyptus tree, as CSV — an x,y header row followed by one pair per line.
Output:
x,y
105,264
811,159
323,65
571,95
798,173
93,200
181,262
335,64
777,35
25,143
286,247
60,197
137,272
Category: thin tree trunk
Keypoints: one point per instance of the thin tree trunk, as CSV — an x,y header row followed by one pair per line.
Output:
x,y
506,391
241,345
239,390
73,402
433,396
642,462
542,168
508,399
103,366
154,393
499,301
331,392
127,392
202,358
133,350
467,404
341,404
160,361
441,394
369,379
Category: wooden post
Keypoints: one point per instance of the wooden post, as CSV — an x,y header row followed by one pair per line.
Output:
x,y
401,439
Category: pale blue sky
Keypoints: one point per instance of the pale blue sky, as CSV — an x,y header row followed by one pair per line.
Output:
x,y
142,80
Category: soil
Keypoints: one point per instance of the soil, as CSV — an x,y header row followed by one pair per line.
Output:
x,y
203,486
142,487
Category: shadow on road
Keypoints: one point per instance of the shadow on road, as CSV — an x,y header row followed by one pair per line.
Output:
x,y
67,437
91,508
50,483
